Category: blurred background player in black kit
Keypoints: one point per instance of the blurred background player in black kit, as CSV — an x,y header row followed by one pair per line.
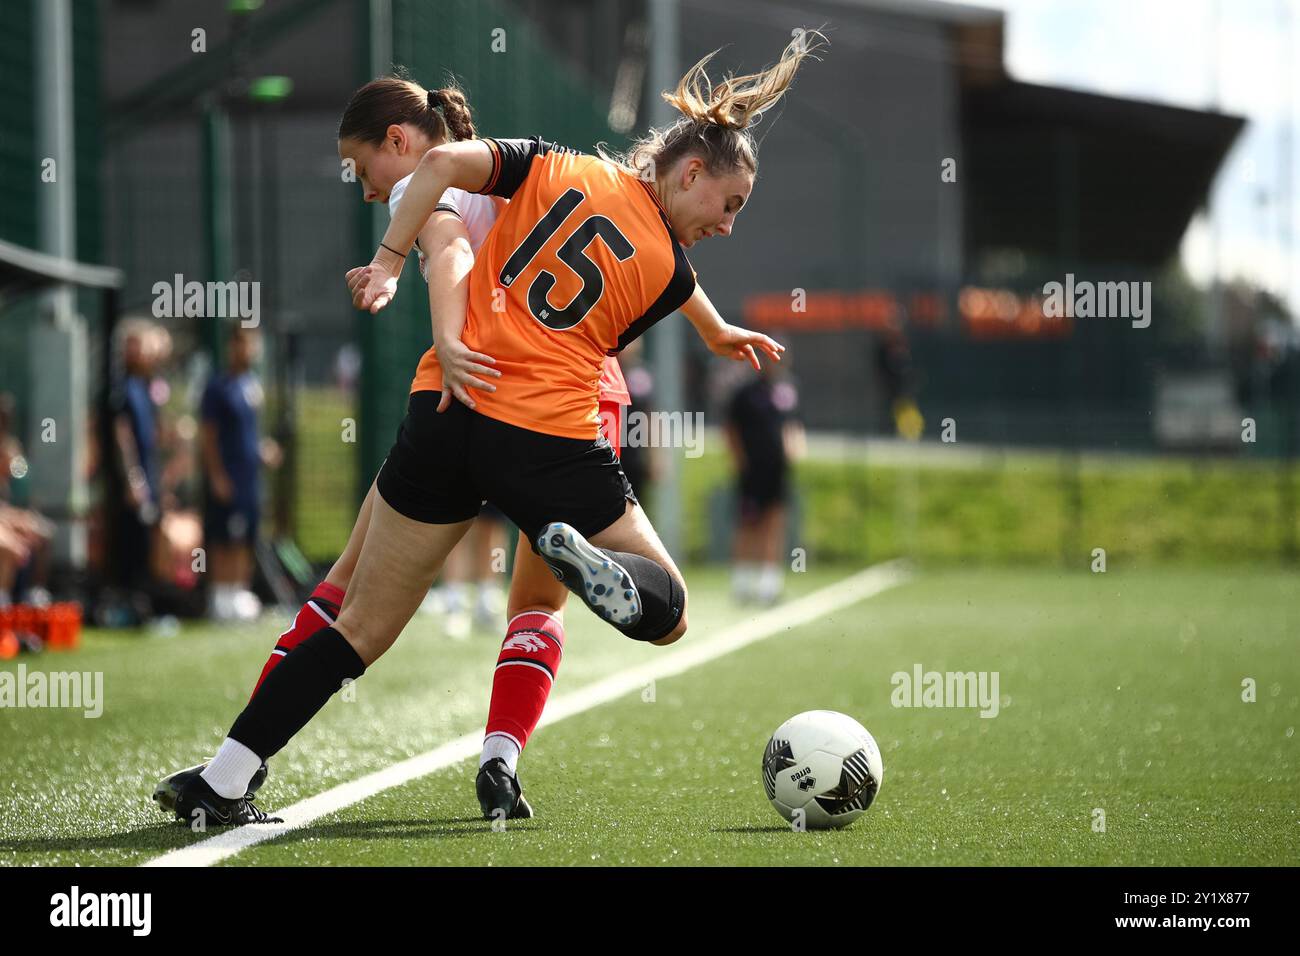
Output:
x,y
233,455
639,463
893,362
764,438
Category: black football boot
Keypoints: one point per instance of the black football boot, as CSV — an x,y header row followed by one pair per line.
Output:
x,y
196,799
164,794
499,791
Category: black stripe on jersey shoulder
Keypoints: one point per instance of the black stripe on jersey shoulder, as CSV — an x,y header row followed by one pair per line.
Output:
x,y
675,295
447,207
495,150
512,160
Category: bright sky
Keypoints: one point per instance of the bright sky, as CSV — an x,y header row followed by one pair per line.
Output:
x,y
1165,50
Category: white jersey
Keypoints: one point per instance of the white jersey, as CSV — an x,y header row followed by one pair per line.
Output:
x,y
476,211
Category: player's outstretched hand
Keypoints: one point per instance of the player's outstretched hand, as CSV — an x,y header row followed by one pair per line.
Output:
x,y
372,286
461,368
733,342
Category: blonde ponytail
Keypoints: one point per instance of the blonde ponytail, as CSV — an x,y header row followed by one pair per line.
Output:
x,y
716,118
738,101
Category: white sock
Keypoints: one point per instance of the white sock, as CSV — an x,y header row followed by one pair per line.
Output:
x,y
456,595
231,769
744,579
769,582
499,745
221,600
491,597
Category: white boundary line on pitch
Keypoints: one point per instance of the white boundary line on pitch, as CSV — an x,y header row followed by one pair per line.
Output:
x,y
856,587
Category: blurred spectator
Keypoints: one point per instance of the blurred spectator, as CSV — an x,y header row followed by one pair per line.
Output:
x,y
763,437
233,455
898,380
347,367
135,435
639,464
470,592
24,535
180,530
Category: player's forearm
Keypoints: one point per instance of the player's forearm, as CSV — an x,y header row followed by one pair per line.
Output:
x,y
465,165
699,311
795,441
212,465
128,454
449,269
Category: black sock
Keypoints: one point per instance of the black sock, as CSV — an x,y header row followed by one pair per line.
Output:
x,y
662,598
295,690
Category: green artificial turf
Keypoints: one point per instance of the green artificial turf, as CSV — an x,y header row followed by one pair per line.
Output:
x,y
1120,692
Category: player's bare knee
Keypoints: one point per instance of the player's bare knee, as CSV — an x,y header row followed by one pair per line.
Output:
x,y
367,641
345,567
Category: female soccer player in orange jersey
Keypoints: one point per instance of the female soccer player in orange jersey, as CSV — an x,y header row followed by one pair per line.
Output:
x,y
387,126
548,303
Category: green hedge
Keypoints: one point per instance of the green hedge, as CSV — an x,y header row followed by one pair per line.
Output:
x,y
1022,510
1012,509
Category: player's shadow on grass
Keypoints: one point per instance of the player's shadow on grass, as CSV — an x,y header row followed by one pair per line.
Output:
x,y
396,829
156,836
161,837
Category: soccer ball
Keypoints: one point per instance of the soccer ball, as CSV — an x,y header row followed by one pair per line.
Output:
x,y
821,770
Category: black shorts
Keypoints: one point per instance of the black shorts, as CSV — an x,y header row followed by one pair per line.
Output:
x,y
762,487
232,522
444,466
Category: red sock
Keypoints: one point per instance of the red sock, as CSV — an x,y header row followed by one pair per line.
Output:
x,y
526,669
319,612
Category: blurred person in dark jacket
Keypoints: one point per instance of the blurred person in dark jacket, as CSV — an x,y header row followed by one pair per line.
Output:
x,y
233,453
135,438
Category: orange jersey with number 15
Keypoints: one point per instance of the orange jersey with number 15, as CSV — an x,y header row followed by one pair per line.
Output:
x,y
580,262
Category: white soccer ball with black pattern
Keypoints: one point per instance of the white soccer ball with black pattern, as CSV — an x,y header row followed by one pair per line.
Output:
x,y
821,770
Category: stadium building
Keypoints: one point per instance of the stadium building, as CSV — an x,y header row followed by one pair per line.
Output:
x,y
918,184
